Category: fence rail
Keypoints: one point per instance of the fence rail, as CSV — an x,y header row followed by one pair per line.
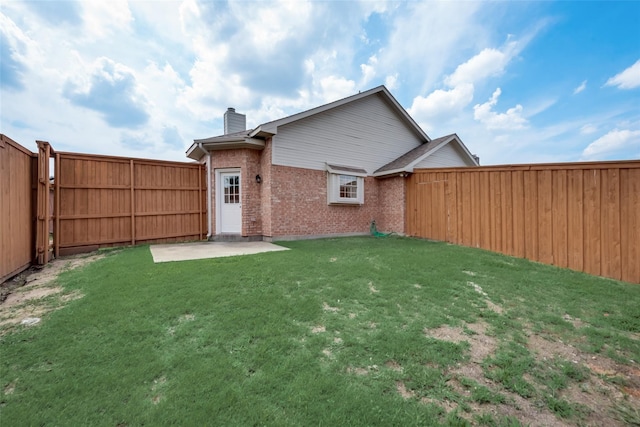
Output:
x,y
582,216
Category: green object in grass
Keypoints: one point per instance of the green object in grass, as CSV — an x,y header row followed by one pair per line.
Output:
x,y
374,230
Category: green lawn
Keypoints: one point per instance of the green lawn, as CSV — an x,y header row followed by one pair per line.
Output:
x,y
353,331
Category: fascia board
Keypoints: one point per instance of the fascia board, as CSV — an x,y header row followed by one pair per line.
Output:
x,y
393,172
337,170
254,143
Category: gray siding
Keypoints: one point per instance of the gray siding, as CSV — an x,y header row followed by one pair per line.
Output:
x,y
234,122
365,133
448,156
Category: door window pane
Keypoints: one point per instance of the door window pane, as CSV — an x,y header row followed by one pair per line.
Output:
x,y
232,189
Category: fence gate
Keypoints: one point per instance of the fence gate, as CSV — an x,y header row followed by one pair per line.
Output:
x,y
25,211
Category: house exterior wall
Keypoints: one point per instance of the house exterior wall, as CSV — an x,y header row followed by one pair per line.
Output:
x,y
249,163
299,205
366,133
391,205
292,202
265,195
448,155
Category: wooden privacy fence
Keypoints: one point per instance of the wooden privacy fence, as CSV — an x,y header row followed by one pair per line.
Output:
x,y
97,201
24,209
16,207
582,216
106,201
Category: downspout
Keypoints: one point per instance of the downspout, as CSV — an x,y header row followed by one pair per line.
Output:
x,y
209,192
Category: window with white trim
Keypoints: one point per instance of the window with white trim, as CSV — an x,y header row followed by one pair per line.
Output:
x,y
345,185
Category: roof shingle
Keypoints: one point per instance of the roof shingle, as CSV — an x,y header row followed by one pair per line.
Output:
x,y
409,157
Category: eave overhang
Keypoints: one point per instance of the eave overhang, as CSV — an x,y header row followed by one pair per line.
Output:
x,y
346,170
200,147
393,172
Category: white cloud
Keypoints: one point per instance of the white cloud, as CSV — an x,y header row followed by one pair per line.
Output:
x,y
280,21
369,69
441,104
588,129
451,32
511,120
391,82
103,18
111,89
334,88
613,143
580,88
628,79
487,63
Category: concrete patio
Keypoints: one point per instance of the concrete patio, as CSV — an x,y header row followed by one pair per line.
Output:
x,y
204,250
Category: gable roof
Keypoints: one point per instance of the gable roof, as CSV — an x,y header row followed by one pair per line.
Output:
x,y
271,128
254,138
407,161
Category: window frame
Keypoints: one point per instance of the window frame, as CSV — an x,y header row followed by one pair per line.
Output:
x,y
335,178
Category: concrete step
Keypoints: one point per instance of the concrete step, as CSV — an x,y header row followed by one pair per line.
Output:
x,y
234,238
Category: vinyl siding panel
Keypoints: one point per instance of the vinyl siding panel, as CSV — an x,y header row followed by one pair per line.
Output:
x,y
366,133
447,156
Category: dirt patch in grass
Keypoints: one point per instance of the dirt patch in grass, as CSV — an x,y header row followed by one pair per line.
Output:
x,y
327,307
393,365
548,347
492,306
11,387
187,318
482,344
403,391
34,292
357,371
362,371
156,388
593,398
577,323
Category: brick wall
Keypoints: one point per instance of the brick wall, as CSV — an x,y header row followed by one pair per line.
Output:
x,y
299,205
293,201
391,197
265,199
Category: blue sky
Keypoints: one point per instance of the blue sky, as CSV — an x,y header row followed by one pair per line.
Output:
x,y
519,82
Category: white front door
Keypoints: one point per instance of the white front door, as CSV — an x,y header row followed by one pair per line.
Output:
x,y
230,202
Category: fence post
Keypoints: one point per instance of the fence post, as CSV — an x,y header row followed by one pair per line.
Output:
x,y
133,205
56,206
42,212
200,173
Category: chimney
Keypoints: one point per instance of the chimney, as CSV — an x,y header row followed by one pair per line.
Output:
x,y
234,122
